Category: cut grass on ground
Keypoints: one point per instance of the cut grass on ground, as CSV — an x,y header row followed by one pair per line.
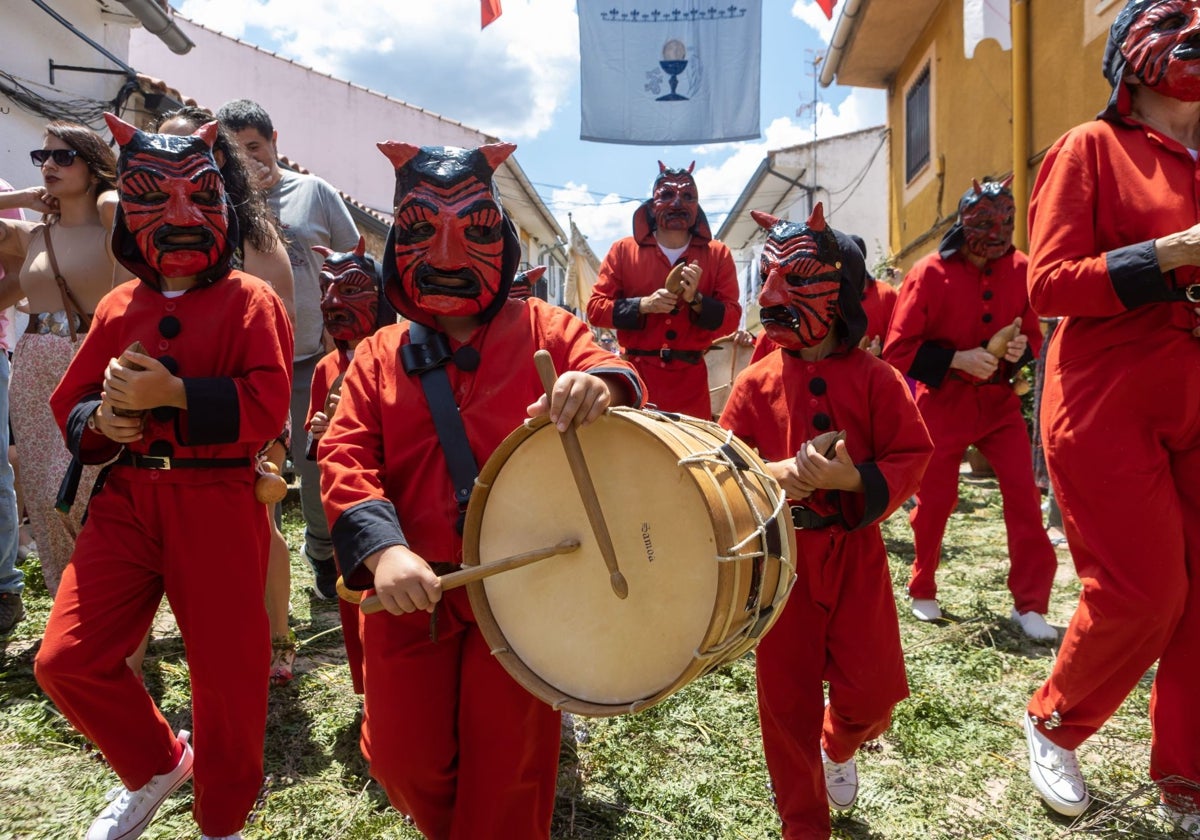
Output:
x,y
953,765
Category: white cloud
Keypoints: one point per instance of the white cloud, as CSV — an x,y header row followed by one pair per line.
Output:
x,y
508,80
808,12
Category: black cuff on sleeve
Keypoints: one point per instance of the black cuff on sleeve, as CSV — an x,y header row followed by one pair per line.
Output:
x,y
931,364
98,448
213,412
360,532
875,494
1136,277
626,315
627,378
711,314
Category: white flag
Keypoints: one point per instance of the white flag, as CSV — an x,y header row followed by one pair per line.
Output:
x,y
983,19
656,73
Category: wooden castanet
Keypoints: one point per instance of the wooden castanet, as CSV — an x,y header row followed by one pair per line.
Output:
x,y
826,442
583,480
674,281
998,344
335,390
136,347
453,580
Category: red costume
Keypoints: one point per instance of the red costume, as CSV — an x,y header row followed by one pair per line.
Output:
x,y
454,740
840,623
1119,409
947,304
667,348
176,513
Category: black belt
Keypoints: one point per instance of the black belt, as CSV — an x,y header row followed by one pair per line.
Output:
x,y
809,520
163,462
692,357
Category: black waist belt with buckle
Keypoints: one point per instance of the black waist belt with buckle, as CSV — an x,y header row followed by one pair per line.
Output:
x,y
810,520
163,462
691,357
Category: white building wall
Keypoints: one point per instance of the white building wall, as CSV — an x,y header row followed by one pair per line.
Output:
x,y
327,125
29,40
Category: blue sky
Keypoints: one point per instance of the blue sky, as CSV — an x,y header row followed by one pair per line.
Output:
x,y
519,80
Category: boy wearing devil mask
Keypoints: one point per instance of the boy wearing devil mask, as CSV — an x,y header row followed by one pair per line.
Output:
x,y
663,330
953,305
1115,233
350,308
455,741
184,420
840,624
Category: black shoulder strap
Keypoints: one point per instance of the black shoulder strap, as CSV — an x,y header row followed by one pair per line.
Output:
x,y
426,356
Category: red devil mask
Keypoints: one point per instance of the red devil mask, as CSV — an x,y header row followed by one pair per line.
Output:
x,y
676,202
452,250
801,275
525,282
349,294
986,213
172,201
1162,48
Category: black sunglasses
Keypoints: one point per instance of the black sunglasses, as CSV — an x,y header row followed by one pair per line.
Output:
x,y
61,157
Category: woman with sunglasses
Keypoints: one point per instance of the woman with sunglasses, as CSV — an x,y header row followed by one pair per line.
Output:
x,y
77,201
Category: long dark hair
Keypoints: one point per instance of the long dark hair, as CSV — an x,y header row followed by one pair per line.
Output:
x,y
257,223
100,159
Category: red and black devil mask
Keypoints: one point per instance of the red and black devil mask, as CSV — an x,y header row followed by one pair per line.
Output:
x,y
1158,41
525,282
674,205
173,219
986,216
451,250
349,294
812,279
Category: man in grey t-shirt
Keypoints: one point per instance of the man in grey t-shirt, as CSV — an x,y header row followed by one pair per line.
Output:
x,y
310,212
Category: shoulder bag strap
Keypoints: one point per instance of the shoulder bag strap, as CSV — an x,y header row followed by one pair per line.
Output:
x,y
70,305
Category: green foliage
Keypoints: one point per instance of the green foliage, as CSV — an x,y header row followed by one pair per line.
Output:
x,y
951,766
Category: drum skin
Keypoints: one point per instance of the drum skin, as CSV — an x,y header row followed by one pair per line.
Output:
x,y
725,359
699,536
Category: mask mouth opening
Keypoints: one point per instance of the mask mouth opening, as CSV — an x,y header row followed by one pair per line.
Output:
x,y
780,316
459,284
169,238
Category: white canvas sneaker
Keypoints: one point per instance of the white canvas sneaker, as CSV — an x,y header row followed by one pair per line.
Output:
x,y
130,811
841,782
1055,773
1188,823
1034,626
926,609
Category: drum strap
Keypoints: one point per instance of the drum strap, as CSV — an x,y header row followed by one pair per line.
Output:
x,y
426,355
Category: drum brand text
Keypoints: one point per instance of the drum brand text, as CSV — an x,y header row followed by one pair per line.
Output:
x,y
646,542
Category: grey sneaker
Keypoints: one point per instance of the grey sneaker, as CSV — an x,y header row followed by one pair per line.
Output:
x,y
12,610
130,811
325,575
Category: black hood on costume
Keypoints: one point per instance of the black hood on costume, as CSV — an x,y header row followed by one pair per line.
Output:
x,y
852,324
446,165
124,245
644,223
1113,65
955,239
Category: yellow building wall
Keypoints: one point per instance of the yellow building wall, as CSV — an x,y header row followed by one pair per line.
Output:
x,y
971,107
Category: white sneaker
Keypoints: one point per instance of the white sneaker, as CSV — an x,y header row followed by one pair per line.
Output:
x,y
1033,625
841,782
130,811
926,609
1188,823
1055,773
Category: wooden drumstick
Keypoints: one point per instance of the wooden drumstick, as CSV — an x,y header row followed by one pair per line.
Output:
x,y
583,481
372,604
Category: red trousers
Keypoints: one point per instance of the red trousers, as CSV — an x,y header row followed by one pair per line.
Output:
x,y
675,386
205,547
839,625
348,613
957,415
455,742
1124,457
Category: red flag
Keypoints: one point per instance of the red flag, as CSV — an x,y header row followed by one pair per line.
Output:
x,y
826,7
489,10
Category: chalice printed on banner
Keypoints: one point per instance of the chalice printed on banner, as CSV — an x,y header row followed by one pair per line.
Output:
x,y
674,62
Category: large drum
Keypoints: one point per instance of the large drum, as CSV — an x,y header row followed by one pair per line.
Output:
x,y
700,534
725,359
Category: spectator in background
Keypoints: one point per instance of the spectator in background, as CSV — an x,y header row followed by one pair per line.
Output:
x,y
310,213
78,200
663,328
12,579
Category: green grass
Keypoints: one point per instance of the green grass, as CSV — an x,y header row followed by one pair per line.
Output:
x,y
951,766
